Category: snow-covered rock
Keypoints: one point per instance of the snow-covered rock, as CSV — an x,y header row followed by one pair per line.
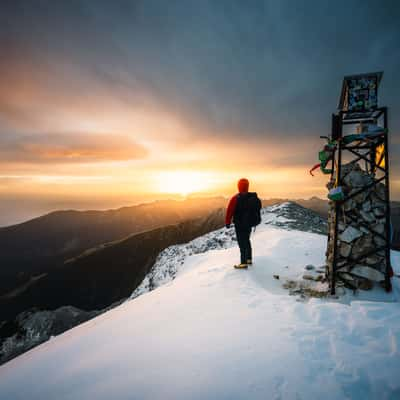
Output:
x,y
213,332
36,326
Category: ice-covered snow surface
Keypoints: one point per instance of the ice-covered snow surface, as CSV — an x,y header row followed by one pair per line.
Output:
x,y
214,332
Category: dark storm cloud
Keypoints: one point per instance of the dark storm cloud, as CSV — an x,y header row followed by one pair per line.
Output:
x,y
248,68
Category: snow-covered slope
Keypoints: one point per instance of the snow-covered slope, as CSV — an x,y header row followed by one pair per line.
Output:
x,y
169,261
214,332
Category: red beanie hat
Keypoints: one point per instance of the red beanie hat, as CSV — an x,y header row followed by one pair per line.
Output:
x,y
243,185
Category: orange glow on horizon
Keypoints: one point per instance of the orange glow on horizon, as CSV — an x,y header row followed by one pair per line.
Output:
x,y
184,182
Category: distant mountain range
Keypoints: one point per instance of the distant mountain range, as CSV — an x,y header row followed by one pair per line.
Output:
x,y
44,249
31,252
43,244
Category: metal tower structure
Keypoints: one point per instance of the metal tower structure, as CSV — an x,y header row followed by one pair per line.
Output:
x,y
357,111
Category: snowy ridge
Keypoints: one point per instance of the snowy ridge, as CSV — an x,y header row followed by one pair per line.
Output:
x,y
172,258
287,215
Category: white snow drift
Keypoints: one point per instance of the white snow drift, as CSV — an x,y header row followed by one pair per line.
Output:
x,y
219,333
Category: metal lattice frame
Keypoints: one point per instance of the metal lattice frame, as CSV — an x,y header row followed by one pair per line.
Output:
x,y
364,150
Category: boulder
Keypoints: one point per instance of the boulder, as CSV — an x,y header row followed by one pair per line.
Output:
x,y
349,167
359,198
367,206
348,279
350,234
342,270
365,284
379,211
341,226
344,249
349,205
361,246
367,216
357,179
364,271
373,259
380,190
378,228
376,200
379,241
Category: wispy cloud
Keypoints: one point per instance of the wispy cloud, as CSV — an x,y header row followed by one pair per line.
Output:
x,y
68,148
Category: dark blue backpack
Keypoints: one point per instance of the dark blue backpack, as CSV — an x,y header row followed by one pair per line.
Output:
x,y
248,210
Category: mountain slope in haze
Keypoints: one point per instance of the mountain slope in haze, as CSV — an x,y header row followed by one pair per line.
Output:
x,y
108,273
214,332
38,246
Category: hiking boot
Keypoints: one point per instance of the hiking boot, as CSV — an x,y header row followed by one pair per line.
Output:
x,y
249,262
240,266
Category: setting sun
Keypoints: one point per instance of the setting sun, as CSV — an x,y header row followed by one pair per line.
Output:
x,y
183,182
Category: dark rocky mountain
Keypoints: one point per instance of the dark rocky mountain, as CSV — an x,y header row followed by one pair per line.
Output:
x,y
36,247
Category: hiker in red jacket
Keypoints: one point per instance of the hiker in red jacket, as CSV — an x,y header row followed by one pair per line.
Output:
x,y
244,207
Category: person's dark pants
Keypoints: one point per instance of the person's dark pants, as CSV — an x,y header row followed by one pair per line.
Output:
x,y
243,239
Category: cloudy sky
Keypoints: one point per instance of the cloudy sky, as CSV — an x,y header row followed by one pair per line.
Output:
x,y
107,103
